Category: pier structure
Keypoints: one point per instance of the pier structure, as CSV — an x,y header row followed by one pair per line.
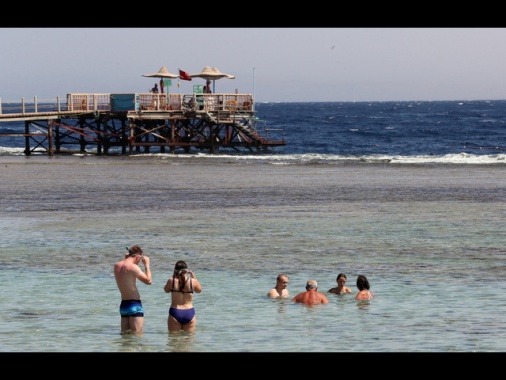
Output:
x,y
137,123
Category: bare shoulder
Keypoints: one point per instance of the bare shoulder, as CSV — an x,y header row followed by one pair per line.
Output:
x,y
119,266
197,286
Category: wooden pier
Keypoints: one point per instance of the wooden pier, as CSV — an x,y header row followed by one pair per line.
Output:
x,y
125,124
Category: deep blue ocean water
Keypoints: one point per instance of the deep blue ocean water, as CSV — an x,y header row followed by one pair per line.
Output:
x,y
417,131
390,128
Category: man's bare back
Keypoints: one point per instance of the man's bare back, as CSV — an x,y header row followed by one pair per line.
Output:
x,y
311,296
126,274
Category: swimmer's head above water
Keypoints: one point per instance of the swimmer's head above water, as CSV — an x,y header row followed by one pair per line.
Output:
x,y
311,284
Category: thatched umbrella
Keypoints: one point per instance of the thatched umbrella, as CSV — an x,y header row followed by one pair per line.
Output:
x,y
211,74
162,73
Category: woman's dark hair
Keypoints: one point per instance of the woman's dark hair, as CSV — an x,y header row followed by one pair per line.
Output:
x,y
180,270
341,275
362,283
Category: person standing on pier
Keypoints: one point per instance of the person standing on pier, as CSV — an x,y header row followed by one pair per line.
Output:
x,y
154,90
126,273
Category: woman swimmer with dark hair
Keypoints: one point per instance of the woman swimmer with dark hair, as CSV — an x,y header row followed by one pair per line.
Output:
x,y
181,285
363,289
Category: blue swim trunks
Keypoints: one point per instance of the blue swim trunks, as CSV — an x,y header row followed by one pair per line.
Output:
x,y
131,308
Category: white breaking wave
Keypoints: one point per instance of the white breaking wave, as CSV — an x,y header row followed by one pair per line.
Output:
x,y
307,158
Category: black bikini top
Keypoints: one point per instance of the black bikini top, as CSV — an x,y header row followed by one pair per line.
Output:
x,y
182,291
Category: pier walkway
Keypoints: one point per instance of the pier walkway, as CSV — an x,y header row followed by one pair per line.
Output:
x,y
128,124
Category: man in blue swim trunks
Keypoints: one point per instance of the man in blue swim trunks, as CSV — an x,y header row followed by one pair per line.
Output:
x,y
126,273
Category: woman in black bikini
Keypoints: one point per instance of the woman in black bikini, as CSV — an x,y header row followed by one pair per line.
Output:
x,y
181,285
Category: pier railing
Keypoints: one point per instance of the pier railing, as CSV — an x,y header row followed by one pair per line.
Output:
x,y
33,106
137,102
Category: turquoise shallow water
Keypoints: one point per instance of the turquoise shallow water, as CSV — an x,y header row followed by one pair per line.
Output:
x,y
429,238
53,313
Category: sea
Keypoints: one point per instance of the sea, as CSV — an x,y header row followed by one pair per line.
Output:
x,y
411,194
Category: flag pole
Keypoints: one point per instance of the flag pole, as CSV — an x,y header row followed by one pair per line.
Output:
x,y
253,105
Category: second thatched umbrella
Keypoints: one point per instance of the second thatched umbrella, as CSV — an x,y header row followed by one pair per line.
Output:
x,y
211,74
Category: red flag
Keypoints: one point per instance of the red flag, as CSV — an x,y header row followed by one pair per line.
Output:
x,y
184,75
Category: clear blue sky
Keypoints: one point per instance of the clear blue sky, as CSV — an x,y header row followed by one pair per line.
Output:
x,y
276,64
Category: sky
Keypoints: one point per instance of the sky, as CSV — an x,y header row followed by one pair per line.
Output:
x,y
274,64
